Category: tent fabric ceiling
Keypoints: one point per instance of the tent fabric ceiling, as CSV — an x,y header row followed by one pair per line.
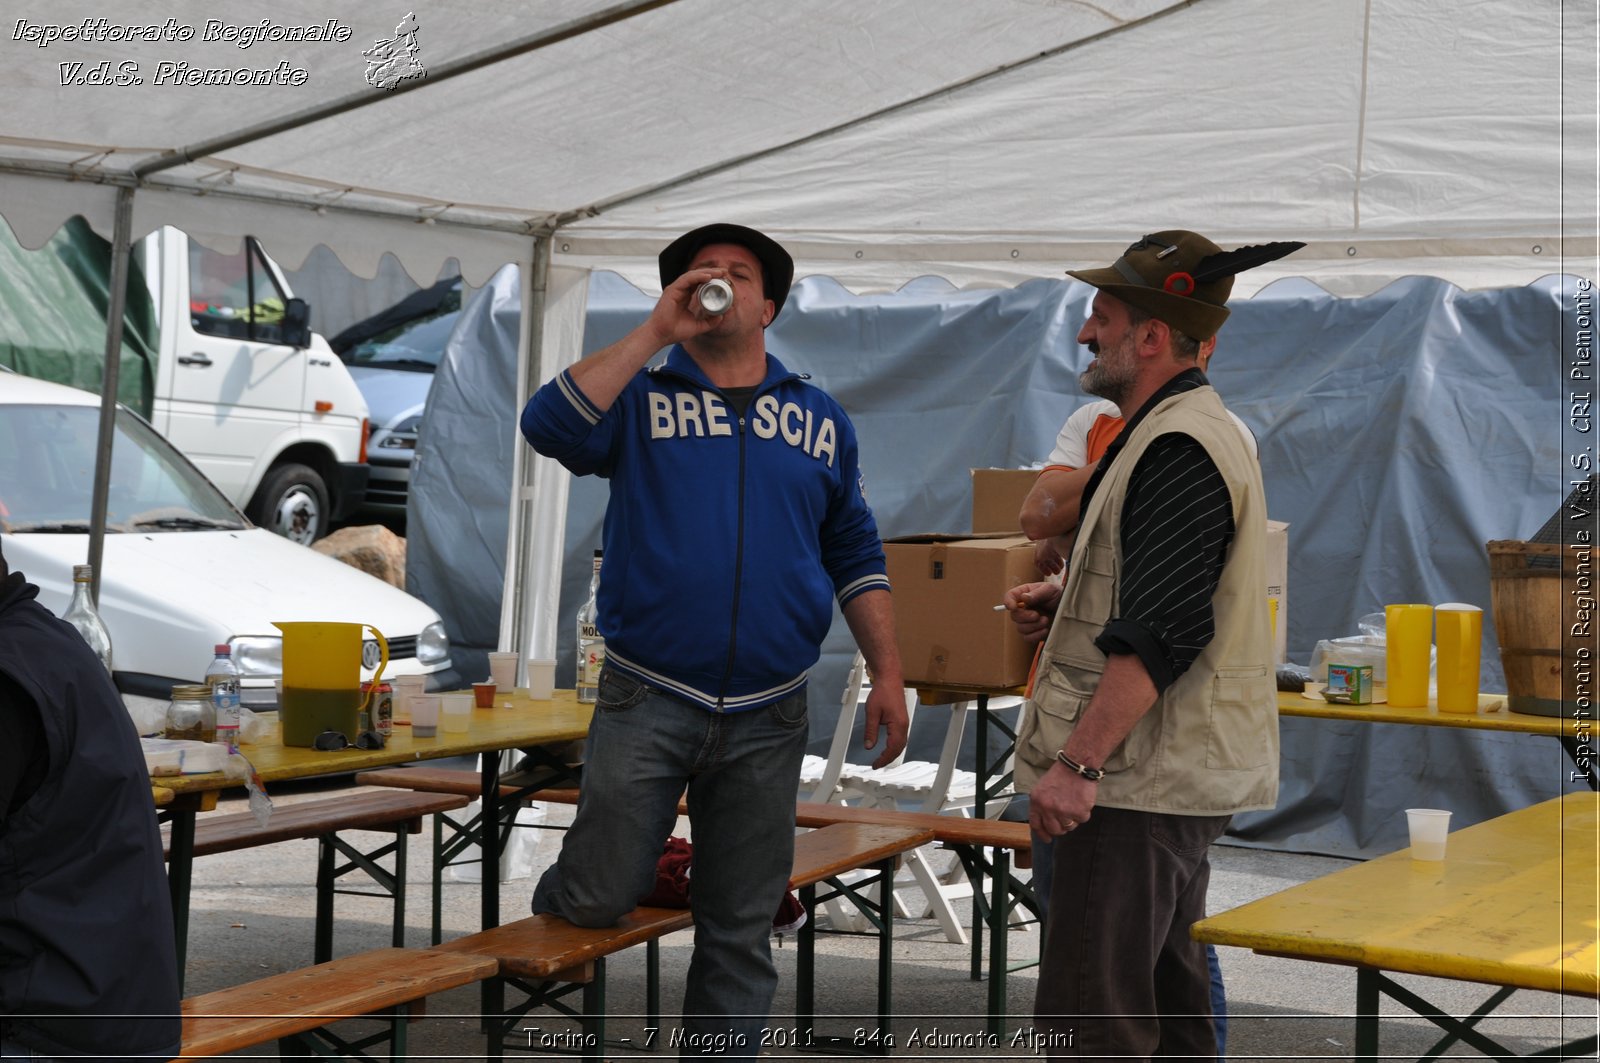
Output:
x,y
983,142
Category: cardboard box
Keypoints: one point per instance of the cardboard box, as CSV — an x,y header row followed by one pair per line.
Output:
x,y
997,496
945,591
1277,547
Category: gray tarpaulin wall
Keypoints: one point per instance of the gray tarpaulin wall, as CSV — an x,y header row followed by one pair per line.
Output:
x,y
1398,433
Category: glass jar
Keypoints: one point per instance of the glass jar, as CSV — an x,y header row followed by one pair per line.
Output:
x,y
190,715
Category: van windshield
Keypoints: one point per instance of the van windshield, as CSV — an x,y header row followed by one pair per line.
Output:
x,y
47,476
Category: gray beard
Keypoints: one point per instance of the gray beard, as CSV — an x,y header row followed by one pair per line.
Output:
x,y
1098,382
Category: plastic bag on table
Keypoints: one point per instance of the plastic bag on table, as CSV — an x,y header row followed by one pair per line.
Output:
x,y
165,757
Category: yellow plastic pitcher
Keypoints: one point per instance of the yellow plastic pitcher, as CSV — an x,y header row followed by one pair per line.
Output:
x,y
322,679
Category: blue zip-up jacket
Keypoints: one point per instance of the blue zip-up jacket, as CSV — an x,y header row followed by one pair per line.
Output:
x,y
726,538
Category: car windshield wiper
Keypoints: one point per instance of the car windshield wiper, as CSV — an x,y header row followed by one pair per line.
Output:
x,y
407,363
50,526
184,522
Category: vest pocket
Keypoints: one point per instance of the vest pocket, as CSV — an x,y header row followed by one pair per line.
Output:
x,y
1061,691
1237,736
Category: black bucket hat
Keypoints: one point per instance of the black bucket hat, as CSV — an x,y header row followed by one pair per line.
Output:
x,y
1180,277
777,268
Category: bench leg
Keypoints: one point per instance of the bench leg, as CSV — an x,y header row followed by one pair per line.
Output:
x,y
805,1002
885,954
652,983
594,1014
1000,913
322,941
392,884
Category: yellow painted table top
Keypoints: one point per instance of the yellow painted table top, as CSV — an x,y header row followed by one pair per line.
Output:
x,y
526,723
1513,903
1492,715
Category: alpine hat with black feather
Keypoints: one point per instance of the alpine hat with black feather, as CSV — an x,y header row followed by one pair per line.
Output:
x,y
1180,277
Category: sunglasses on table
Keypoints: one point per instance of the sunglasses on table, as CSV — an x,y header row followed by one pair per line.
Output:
x,y
329,741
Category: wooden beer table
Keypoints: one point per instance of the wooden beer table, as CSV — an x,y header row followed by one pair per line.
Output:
x,y
1492,715
1513,904
525,723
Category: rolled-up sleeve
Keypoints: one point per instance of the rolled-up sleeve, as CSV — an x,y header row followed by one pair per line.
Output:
x,y
1177,525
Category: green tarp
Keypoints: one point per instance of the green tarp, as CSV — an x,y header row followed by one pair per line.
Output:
x,y
53,314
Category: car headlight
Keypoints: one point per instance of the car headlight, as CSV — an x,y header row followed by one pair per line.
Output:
x,y
433,645
258,655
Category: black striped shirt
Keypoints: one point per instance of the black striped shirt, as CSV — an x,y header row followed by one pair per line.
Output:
x,y
1177,525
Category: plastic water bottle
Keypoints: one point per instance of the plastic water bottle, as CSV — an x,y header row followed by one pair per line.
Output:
x,y
591,644
223,679
82,615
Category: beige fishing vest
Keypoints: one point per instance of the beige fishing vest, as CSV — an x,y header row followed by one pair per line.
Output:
x,y
1209,746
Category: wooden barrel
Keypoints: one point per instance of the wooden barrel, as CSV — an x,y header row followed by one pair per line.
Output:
x,y
1536,590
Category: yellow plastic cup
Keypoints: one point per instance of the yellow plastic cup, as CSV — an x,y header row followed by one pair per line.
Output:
x,y
1408,635
1460,635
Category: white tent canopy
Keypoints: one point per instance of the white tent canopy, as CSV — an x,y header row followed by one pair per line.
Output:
x,y
985,142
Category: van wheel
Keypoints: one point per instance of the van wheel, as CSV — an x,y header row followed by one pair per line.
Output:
x,y
293,502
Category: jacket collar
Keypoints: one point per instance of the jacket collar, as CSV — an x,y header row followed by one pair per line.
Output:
x,y
681,364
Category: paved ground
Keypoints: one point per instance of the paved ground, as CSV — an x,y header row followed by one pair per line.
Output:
x,y
253,911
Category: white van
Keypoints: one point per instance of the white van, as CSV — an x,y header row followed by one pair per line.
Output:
x,y
217,354
258,402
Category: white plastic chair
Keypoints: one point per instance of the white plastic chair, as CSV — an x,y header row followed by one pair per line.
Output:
x,y
907,785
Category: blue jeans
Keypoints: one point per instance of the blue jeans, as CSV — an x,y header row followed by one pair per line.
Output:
x,y
1043,864
741,771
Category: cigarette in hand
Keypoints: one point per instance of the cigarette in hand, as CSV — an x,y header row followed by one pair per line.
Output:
x,y
1000,608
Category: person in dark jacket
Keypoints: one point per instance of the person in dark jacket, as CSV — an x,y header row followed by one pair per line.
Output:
x,y
736,520
87,963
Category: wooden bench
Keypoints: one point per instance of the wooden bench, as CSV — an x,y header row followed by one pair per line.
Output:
x,y
547,958
294,1008
971,839
397,813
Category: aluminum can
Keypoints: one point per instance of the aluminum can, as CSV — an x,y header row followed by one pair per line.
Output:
x,y
380,708
715,296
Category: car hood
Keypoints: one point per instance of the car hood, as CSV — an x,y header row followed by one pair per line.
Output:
x,y
168,598
392,394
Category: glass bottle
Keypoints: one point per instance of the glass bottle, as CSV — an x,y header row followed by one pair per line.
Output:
x,y
82,615
190,716
591,644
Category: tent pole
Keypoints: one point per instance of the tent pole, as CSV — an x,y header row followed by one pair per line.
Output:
x,y
121,247
535,286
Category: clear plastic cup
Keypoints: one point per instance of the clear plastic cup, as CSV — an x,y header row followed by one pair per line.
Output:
x,y
455,713
424,715
1429,829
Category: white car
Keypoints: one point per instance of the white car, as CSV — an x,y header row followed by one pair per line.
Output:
x,y
182,569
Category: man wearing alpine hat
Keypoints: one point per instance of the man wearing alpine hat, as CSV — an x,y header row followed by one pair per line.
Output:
x,y
1154,708
736,521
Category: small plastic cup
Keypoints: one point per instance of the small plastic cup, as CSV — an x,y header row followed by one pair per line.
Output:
x,y
503,669
483,695
405,688
424,715
1429,829
455,712
541,679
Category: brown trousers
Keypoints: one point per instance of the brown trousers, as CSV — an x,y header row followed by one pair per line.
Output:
x,y
1119,977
